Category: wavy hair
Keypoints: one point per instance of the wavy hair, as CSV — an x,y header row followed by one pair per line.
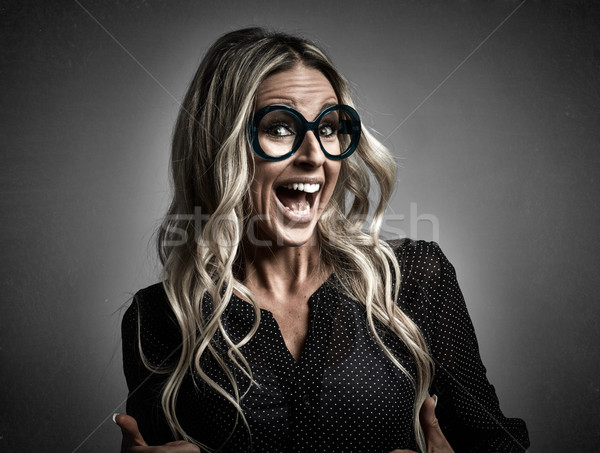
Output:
x,y
211,170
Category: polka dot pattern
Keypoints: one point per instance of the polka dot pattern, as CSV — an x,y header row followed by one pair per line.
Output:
x,y
343,394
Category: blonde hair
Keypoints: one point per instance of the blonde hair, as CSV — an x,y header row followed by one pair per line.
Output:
x,y
211,170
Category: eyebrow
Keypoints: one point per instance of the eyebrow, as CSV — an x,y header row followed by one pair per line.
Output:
x,y
292,104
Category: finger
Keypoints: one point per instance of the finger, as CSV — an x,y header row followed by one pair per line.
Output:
x,y
434,438
179,446
427,414
184,447
131,433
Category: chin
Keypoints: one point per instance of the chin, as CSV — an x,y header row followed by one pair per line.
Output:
x,y
295,241
291,237
283,235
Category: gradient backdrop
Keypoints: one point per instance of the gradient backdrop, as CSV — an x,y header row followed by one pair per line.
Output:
x,y
494,117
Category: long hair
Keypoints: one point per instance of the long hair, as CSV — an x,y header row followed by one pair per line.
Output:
x,y
199,239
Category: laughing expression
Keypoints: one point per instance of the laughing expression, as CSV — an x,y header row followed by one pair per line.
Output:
x,y
289,196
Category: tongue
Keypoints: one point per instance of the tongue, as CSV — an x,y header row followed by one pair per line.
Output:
x,y
295,200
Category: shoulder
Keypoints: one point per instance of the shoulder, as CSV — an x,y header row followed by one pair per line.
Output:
x,y
428,286
421,262
151,302
152,295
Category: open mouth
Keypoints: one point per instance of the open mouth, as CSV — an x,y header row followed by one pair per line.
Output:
x,y
298,198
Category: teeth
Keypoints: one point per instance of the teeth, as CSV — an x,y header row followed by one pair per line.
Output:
x,y
308,188
305,211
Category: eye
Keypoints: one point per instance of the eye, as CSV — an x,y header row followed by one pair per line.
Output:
x,y
279,130
326,130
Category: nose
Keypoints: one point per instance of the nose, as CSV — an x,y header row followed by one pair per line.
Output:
x,y
310,152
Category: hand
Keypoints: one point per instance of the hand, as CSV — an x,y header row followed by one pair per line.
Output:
x,y
434,438
133,442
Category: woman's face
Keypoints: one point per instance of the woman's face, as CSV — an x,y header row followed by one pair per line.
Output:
x,y
285,213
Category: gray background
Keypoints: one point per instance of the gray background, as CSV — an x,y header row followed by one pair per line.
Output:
x,y
503,153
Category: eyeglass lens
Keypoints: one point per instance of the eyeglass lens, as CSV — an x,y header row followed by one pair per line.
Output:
x,y
280,131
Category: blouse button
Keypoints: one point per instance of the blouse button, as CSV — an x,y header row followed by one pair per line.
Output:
x,y
305,399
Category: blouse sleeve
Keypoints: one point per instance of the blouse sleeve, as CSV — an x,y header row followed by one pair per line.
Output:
x,y
468,409
147,311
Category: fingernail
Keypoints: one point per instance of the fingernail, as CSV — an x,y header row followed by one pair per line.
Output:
x,y
114,417
434,400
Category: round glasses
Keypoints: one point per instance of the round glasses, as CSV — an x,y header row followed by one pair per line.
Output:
x,y
276,131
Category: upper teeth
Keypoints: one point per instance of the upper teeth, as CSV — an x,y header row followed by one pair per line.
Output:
x,y
309,188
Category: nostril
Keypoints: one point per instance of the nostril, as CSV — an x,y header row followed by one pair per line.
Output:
x,y
310,150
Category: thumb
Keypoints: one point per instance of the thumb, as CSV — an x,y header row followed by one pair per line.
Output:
x,y
434,438
131,433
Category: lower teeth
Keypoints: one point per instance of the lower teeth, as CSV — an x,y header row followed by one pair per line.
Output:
x,y
306,211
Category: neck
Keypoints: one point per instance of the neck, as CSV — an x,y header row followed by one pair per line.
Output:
x,y
283,269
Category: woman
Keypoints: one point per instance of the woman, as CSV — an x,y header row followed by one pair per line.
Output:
x,y
280,324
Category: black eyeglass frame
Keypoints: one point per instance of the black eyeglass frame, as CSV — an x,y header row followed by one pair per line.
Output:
x,y
351,127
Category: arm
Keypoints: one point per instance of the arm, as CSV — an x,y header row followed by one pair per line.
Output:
x,y
143,400
468,409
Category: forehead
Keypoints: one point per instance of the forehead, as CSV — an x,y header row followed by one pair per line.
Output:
x,y
300,87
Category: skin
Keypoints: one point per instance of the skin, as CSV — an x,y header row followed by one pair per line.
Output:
x,y
308,91
283,274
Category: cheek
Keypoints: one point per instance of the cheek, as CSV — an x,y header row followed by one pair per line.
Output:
x,y
261,185
257,193
333,175
333,185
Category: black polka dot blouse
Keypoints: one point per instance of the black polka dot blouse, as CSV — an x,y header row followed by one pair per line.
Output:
x,y
344,394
